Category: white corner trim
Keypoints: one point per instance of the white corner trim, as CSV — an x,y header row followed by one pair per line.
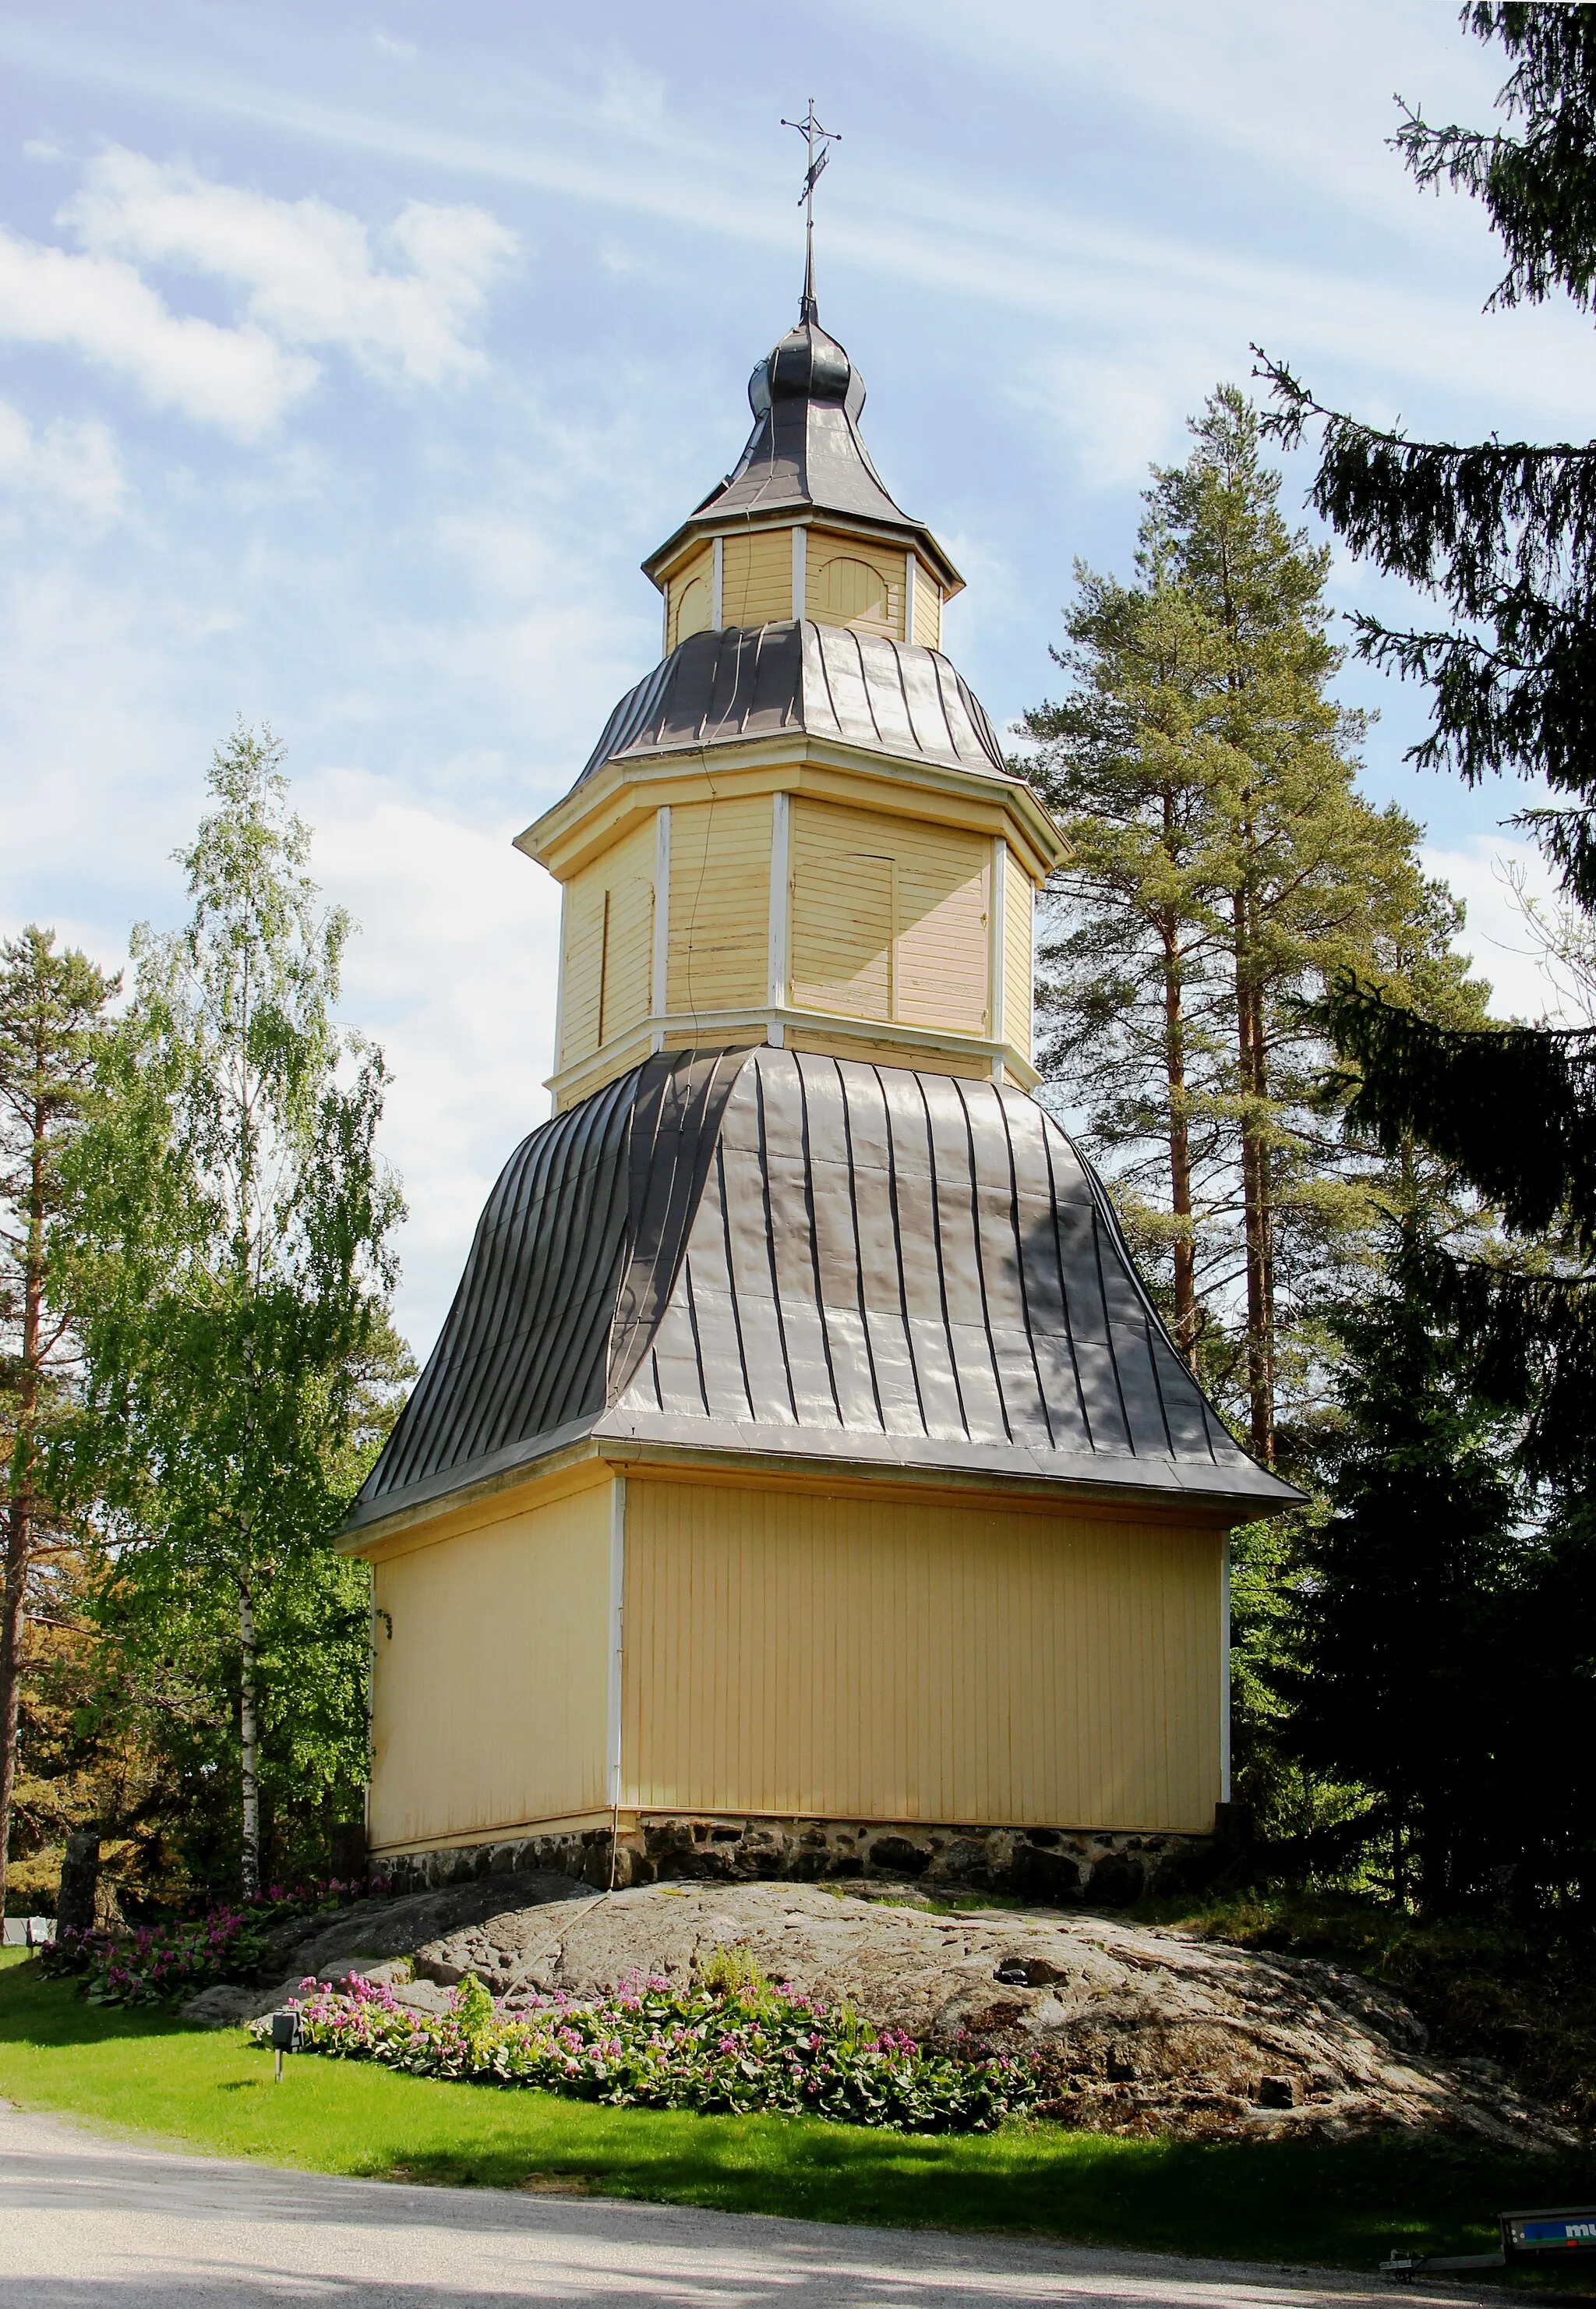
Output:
x,y
800,572
997,924
912,573
618,1580
717,582
660,961
1224,1674
776,974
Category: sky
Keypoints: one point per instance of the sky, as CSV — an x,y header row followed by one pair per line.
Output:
x,y
351,360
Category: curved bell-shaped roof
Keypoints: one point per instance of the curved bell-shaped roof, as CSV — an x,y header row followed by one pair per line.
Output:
x,y
766,1253
806,453
826,681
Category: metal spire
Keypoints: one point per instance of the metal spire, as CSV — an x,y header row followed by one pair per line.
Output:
x,y
819,141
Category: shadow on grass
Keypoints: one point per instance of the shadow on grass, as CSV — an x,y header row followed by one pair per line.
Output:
x,y
34,2010
1340,2202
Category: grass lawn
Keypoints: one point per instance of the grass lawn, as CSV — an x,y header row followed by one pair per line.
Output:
x,y
212,2091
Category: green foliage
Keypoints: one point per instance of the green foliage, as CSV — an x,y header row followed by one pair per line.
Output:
x,y
1407,1603
733,2042
52,1020
162,1964
229,1245
1504,534
1223,868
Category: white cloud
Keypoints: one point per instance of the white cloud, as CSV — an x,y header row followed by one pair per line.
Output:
x,y
74,465
241,380
1495,934
309,270
455,974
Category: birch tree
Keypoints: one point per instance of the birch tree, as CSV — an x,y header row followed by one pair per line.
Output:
x,y
230,1239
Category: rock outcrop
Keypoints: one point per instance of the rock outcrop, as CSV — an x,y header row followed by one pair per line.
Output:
x,y
1137,2029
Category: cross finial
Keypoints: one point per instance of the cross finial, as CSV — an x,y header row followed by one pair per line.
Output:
x,y
819,141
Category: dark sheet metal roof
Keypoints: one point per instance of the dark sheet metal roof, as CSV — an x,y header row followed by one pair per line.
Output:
x,y
807,453
785,1255
805,448
824,682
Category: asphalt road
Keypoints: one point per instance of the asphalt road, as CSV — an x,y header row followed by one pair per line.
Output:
x,y
87,2220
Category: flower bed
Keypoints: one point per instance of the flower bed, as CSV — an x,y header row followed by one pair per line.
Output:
x,y
743,2044
156,1964
159,1964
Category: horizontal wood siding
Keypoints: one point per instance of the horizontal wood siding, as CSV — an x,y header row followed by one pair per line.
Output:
x,y
756,578
609,913
490,1700
789,1653
696,574
833,595
845,910
719,905
1018,895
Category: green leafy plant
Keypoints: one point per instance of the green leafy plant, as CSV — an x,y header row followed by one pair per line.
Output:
x,y
745,2045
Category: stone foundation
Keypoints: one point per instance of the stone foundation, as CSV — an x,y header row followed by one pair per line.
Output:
x,y
1052,1865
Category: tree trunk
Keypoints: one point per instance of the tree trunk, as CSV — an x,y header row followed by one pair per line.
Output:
x,y
1254,1189
1180,1152
19,1532
18,1556
249,1868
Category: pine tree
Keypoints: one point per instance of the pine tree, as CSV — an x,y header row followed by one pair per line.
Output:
x,y
1503,533
52,1019
1223,868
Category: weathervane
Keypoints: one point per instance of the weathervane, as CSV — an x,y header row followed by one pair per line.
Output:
x,y
819,141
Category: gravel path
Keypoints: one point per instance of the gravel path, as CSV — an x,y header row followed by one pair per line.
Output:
x,y
86,2220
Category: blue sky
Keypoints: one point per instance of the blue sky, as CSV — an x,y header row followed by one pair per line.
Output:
x,y
351,362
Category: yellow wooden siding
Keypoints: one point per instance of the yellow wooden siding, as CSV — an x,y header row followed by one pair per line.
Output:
x,y
832,583
609,934
1019,898
975,1067
843,913
490,1700
928,610
690,605
756,578
787,1653
719,905
930,912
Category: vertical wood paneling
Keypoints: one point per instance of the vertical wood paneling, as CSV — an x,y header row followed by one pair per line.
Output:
x,y
756,578
719,904
896,1661
490,1698
927,611
1019,898
836,594
608,938
915,951
689,608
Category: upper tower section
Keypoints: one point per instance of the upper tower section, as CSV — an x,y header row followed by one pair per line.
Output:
x,y
799,828
804,526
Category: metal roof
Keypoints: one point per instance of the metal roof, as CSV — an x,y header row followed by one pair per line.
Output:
x,y
718,689
781,1255
806,453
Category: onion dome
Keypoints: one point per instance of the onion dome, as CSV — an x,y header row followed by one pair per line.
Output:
x,y
807,455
